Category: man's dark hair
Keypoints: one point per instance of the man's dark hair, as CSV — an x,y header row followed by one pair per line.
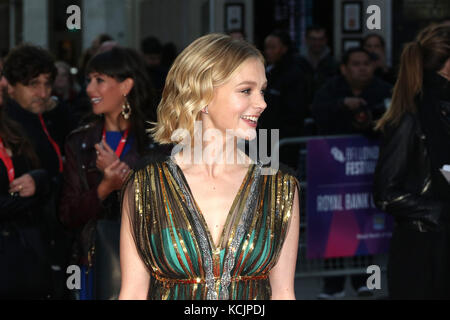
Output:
x,y
372,35
349,52
103,37
284,37
317,28
151,45
26,62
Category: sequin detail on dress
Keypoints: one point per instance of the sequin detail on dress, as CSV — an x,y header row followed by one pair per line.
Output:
x,y
202,238
240,233
174,243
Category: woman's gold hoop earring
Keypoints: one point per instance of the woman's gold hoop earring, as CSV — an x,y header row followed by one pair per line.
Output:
x,y
126,109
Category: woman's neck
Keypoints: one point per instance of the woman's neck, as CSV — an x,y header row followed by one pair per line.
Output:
x,y
115,122
214,157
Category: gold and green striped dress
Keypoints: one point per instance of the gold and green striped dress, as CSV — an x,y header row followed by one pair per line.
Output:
x,y
174,242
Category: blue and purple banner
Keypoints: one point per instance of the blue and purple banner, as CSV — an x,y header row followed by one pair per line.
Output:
x,y
342,219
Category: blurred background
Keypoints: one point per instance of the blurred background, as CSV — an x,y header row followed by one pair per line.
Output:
x,y
43,22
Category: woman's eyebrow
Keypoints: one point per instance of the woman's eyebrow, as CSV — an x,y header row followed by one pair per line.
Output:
x,y
247,82
251,83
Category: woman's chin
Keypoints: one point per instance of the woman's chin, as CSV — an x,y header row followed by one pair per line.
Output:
x,y
97,111
245,134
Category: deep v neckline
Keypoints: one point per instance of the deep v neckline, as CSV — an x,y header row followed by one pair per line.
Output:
x,y
200,213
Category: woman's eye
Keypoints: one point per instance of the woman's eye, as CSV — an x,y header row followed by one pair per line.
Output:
x,y
246,91
263,92
99,80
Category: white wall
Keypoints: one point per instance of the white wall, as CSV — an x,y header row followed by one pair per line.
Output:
x,y
93,20
35,22
249,20
107,16
168,20
182,21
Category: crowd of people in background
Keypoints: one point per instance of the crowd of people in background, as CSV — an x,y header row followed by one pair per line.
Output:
x,y
72,138
67,144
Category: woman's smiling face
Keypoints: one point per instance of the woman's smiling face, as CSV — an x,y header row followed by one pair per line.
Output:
x,y
105,94
238,103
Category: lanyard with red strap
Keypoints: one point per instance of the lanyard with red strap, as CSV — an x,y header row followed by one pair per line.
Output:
x,y
122,142
53,143
7,161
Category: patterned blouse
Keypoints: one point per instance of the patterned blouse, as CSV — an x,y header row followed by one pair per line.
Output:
x,y
173,239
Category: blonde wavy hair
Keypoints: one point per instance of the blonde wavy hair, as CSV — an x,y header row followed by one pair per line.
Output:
x,y
208,62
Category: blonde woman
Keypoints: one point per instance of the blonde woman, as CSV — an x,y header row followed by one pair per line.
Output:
x,y
210,227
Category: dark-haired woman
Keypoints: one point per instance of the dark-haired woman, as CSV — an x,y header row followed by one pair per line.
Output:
x,y
408,182
99,156
24,269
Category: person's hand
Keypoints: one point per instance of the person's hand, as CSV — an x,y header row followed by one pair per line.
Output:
x,y
24,185
113,178
105,155
354,103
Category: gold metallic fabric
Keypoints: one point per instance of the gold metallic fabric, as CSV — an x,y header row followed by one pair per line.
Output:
x,y
174,242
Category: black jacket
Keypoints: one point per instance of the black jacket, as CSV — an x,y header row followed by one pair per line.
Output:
x,y
316,78
402,181
329,112
285,98
79,201
79,206
58,123
16,208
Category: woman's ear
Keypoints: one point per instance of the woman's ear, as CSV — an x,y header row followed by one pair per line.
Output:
x,y
126,86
